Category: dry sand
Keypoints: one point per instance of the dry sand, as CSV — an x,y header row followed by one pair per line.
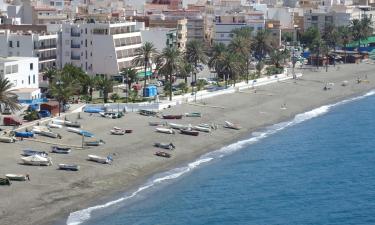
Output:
x,y
52,194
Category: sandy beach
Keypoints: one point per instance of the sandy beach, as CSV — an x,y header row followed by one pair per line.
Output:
x,y
52,194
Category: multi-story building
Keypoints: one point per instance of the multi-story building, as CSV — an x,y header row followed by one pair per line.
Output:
x,y
22,72
99,47
178,37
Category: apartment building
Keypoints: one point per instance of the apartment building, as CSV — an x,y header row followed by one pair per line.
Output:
x,y
178,37
99,47
22,72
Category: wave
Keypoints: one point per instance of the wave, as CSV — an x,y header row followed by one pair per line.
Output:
x,y
81,216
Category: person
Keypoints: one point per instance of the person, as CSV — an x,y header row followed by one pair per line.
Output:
x,y
28,177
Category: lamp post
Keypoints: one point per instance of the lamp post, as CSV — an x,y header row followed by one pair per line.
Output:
x,y
59,83
294,51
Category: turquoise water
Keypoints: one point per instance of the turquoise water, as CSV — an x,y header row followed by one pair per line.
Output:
x,y
318,168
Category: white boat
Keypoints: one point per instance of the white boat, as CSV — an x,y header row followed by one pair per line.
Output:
x,y
231,125
204,129
45,131
36,160
54,125
179,126
58,121
117,131
79,131
165,130
17,177
72,167
50,134
100,159
212,126
7,139
72,124
157,123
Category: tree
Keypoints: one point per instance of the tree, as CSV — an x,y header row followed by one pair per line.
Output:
x,y
309,36
171,58
50,74
115,97
361,29
217,55
345,36
7,97
229,65
195,54
317,48
277,57
105,85
145,55
62,89
184,70
130,75
261,44
259,67
241,46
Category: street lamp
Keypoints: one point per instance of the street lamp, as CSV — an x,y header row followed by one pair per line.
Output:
x,y
59,83
294,51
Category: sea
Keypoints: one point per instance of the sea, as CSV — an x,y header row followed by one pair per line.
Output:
x,y
318,168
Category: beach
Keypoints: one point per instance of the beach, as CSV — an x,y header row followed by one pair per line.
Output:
x,y
52,194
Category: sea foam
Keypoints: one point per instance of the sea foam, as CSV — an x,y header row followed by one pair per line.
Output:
x,y
81,216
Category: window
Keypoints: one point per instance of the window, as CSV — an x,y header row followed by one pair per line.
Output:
x,y
85,30
34,79
10,44
29,79
314,18
8,69
31,66
18,44
86,43
14,68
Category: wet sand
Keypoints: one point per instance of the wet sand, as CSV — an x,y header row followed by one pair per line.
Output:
x,y
52,194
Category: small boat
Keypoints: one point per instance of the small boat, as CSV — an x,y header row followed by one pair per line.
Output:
x,y
29,152
231,125
190,132
5,181
60,150
172,117
45,131
163,154
179,126
117,132
7,139
112,115
165,130
36,160
169,146
94,143
72,124
203,129
71,167
24,134
80,132
54,125
100,159
193,114
58,121
92,110
213,126
147,112
157,123
17,177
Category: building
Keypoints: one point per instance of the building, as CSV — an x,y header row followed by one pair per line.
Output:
x,y
99,47
22,72
178,37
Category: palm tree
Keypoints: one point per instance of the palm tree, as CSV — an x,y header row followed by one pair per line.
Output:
x,y
331,37
145,54
62,89
229,65
7,97
317,47
361,29
184,71
261,44
171,58
277,57
50,74
195,54
241,46
217,55
105,85
345,36
130,75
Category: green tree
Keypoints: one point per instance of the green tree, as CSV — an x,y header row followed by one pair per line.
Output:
x,y
277,57
195,54
309,36
7,97
62,89
345,37
230,66
183,86
259,67
241,46
171,59
361,29
185,70
50,74
144,57
317,48
217,56
114,97
130,76
261,44
105,85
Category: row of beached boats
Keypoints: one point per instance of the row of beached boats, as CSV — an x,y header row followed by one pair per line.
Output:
x,y
178,116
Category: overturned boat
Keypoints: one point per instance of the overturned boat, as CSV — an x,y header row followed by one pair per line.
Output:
x,y
71,167
165,130
36,160
60,150
169,146
100,159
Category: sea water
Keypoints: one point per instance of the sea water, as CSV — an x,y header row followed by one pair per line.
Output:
x,y
318,168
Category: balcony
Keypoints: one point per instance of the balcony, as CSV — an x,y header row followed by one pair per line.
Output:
x,y
75,34
45,58
75,46
45,47
74,57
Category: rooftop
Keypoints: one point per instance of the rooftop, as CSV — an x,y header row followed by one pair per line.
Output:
x,y
14,59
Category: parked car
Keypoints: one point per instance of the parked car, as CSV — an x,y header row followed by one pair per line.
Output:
x,y
44,113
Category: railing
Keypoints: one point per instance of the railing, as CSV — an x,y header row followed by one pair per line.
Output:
x,y
75,46
47,58
124,44
45,47
73,57
74,34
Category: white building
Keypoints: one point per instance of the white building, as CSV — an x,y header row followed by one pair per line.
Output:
x,y
22,72
99,47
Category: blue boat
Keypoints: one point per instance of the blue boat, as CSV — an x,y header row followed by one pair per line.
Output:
x,y
93,110
29,152
25,134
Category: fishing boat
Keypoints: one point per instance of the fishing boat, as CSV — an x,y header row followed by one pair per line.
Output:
x,y
171,117
190,132
5,181
112,115
203,129
72,124
169,146
117,131
60,150
165,130
24,134
163,154
36,160
45,131
147,112
92,110
54,125
17,177
94,143
179,126
29,152
71,167
80,132
231,125
7,139
213,126
193,114
58,121
157,123
100,159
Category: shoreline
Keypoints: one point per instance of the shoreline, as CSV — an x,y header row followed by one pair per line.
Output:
x,y
76,193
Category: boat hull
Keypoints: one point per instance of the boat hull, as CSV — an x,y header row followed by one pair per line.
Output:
x,y
70,167
16,177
